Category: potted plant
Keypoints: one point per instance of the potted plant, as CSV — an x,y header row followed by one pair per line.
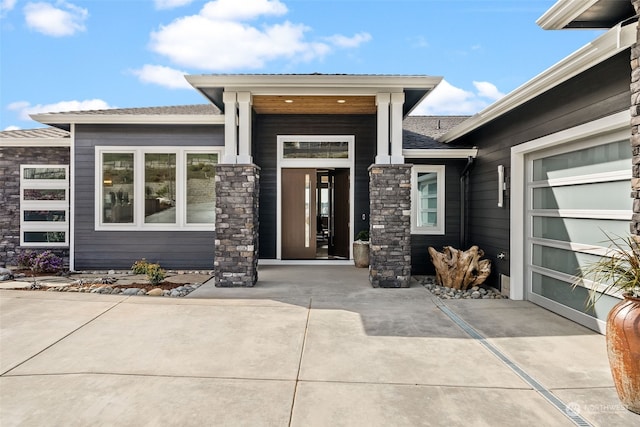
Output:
x,y
361,249
619,271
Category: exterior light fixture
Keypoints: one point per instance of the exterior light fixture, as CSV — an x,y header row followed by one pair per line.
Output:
x,y
289,101
341,101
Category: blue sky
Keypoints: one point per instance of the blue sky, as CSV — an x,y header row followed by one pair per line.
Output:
x,y
78,54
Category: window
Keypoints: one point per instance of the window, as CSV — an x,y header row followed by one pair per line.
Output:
x,y
155,188
427,214
44,205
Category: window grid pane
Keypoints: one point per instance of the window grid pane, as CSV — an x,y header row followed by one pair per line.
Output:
x,y
117,187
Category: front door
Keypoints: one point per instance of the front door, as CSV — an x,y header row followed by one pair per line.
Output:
x,y
299,214
315,213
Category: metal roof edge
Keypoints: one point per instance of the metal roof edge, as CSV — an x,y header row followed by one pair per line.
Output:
x,y
607,45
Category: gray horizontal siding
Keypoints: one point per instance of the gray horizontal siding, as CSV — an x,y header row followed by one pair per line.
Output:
x,y
420,259
119,249
596,93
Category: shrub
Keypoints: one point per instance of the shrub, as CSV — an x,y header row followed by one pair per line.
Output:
x,y
43,262
363,235
155,274
25,259
140,267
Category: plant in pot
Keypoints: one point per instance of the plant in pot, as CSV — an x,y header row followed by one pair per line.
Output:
x,y
361,249
619,272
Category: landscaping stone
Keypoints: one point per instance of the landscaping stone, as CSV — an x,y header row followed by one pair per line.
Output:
x,y
155,292
476,292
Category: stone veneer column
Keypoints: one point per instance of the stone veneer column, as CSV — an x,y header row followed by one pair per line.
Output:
x,y
390,225
236,254
635,131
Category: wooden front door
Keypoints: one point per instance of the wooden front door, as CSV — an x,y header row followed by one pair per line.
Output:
x,y
299,216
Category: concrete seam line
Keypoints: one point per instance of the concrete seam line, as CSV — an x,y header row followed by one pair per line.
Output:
x,y
304,341
63,337
561,406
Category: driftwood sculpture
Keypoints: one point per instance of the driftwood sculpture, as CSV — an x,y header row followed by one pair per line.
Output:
x,y
460,269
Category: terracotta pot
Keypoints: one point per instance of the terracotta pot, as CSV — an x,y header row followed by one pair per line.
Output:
x,y
623,348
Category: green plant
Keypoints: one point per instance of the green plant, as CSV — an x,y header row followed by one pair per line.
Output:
x,y
363,235
618,270
155,274
140,267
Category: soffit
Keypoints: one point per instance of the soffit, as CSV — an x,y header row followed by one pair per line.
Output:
x,y
280,104
602,14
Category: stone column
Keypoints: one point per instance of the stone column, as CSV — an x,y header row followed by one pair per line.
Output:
x,y
236,252
635,135
390,226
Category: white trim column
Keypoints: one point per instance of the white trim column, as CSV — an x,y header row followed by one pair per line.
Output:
x,y
382,154
397,101
230,128
244,128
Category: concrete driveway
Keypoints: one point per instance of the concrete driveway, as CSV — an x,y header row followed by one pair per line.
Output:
x,y
308,346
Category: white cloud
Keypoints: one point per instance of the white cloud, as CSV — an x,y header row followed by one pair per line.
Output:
x,y
488,90
7,5
218,38
24,108
162,76
63,19
12,128
349,42
447,99
234,10
171,4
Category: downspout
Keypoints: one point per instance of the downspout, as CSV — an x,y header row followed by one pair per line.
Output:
x,y
464,199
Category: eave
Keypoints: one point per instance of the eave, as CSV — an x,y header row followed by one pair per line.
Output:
x,y
607,45
415,88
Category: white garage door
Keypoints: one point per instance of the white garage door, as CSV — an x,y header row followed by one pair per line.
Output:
x,y
574,195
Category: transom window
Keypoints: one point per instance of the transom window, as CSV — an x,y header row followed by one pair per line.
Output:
x,y
44,205
427,199
145,188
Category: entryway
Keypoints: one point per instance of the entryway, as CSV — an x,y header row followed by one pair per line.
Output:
x,y
315,210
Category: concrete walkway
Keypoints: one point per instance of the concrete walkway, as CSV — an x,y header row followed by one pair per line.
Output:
x,y
308,346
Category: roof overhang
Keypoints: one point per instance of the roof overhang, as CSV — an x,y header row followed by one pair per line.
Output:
x,y
324,89
586,14
64,120
35,142
607,45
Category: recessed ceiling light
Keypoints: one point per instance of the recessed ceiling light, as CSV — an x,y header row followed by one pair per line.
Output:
x,y
288,101
341,101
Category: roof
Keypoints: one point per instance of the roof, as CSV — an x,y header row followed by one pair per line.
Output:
x,y
176,114
39,137
423,131
46,132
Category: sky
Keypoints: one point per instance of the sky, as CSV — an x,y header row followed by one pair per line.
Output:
x,y
58,55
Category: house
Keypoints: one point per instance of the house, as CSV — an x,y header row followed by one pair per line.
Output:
x,y
289,168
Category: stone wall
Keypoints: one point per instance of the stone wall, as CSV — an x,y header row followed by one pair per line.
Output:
x,y
390,225
236,254
635,135
10,160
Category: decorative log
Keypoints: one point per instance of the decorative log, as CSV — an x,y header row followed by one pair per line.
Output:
x,y
460,269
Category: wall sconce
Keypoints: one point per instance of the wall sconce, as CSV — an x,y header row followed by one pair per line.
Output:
x,y
501,186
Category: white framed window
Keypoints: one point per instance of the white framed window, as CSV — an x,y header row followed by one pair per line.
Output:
x,y
166,188
44,205
427,199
